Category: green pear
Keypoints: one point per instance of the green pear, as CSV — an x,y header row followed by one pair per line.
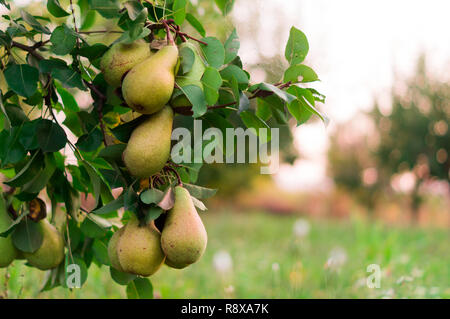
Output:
x,y
147,88
112,249
139,249
121,58
184,236
193,77
149,146
7,250
51,252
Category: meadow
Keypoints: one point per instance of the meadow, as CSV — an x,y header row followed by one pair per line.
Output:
x,y
258,255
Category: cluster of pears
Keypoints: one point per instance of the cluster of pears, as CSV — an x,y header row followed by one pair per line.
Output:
x,y
141,249
49,255
147,83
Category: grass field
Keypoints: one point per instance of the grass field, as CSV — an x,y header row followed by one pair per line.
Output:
x,y
258,255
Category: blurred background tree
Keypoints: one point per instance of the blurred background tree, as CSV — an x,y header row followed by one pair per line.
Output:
x,y
411,138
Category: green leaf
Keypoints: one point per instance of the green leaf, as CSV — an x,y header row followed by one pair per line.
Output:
x,y
113,152
200,192
50,136
93,52
294,73
153,213
179,11
47,66
11,151
232,46
238,73
28,172
22,79
120,277
54,7
263,110
297,47
68,100
212,81
28,18
187,57
214,52
63,40
124,131
134,8
225,6
41,180
27,236
196,24
7,123
113,206
253,122
108,9
91,229
280,93
90,142
306,101
152,196
100,250
68,78
196,96
95,180
140,288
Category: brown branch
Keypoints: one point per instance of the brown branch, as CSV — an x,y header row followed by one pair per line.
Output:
x,y
187,110
172,170
30,49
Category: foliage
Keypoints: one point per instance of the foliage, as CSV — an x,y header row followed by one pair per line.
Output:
x,y
50,63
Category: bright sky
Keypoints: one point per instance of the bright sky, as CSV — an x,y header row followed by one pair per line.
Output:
x,y
358,49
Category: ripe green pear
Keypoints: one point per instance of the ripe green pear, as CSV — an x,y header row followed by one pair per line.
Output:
x,y
139,249
112,249
149,146
7,250
121,58
147,88
51,252
193,77
184,236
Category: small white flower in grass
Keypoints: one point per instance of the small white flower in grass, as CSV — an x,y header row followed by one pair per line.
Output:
x,y
223,263
417,273
420,291
388,294
336,259
434,291
301,228
275,267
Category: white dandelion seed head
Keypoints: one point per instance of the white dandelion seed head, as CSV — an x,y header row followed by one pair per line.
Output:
x,y
275,267
223,263
337,258
301,228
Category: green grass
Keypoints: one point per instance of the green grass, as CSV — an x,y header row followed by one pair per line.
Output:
x,y
270,262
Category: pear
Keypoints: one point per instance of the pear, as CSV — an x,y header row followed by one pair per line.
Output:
x,y
7,250
121,58
112,249
184,236
193,77
149,146
139,249
51,252
147,88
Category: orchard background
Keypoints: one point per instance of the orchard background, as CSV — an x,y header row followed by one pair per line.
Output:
x,y
384,197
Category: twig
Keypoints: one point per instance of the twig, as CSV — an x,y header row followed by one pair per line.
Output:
x,y
171,169
29,49
187,110
101,103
